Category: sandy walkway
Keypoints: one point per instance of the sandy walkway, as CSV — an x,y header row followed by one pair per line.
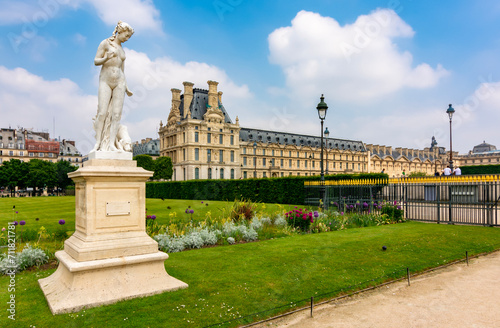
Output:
x,y
457,296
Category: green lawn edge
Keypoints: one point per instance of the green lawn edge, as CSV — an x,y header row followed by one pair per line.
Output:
x,y
226,282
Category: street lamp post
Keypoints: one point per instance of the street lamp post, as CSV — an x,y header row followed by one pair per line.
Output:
x,y
322,108
327,134
450,111
255,160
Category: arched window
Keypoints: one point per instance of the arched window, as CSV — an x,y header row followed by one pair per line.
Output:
x,y
222,173
232,173
210,173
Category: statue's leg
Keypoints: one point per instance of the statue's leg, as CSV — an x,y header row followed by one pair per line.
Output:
x,y
103,99
116,114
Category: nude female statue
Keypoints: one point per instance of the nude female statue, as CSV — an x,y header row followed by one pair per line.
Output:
x,y
112,88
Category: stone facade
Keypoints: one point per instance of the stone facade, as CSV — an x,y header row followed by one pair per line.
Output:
x,y
396,160
199,136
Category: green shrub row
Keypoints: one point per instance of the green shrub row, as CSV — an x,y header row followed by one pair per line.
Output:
x,y
480,169
286,190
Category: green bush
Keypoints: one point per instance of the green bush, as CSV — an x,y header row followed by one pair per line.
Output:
x,y
480,169
286,190
393,211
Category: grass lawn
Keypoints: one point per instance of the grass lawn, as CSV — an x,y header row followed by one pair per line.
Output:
x,y
49,210
226,282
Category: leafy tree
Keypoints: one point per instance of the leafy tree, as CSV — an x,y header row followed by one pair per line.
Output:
x,y
14,173
163,168
145,161
42,174
62,169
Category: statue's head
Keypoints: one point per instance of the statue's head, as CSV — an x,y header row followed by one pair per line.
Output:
x,y
122,27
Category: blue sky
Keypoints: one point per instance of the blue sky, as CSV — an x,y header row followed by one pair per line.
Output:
x,y
388,69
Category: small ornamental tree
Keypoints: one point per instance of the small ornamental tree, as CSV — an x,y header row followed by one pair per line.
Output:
x,y
163,168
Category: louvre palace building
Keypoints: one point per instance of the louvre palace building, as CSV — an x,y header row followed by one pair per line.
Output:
x,y
204,142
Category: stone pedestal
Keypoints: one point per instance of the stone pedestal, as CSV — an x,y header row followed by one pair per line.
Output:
x,y
110,257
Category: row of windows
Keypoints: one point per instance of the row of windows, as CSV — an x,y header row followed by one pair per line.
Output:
x,y
209,155
254,174
297,153
1,160
209,138
210,174
471,161
272,162
30,154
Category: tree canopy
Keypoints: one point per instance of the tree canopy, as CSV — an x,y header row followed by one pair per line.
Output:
x,y
36,174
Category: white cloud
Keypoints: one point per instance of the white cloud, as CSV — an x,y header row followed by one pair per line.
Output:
x,y
151,81
15,12
356,63
140,14
476,119
29,101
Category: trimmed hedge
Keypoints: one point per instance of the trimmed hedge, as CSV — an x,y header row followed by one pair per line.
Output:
x,y
480,169
286,190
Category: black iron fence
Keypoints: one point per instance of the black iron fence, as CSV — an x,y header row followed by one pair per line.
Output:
x,y
455,199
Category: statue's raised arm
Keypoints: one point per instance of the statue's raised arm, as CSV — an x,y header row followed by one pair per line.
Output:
x,y
112,89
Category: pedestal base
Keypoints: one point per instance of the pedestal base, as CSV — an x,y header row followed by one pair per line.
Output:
x,y
78,285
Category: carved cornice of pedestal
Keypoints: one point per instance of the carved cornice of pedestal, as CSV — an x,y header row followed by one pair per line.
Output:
x,y
111,169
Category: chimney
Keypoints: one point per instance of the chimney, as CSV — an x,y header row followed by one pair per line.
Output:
x,y
212,94
176,98
188,96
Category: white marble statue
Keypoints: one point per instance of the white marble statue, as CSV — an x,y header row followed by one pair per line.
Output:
x,y
112,88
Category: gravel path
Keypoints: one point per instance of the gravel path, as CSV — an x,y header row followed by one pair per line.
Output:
x,y
456,296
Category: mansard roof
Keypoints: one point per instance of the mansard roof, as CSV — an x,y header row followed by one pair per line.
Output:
x,y
285,138
199,104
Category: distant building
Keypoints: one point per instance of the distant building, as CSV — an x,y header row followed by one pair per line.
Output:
x,y
12,145
482,154
147,147
396,160
69,152
24,144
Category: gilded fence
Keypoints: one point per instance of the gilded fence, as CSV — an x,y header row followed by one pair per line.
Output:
x,y
452,199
